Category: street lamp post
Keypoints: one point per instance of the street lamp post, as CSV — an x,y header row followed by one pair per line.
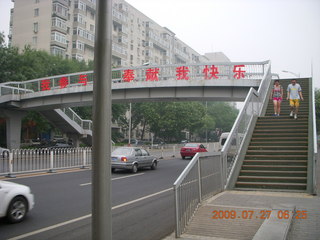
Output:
x,y
294,74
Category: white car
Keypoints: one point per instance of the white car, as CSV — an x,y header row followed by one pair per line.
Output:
x,y
16,201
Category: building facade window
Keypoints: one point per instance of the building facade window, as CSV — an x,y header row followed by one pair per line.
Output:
x,y
36,12
78,57
34,40
35,27
58,37
83,33
60,9
78,45
60,23
80,5
57,51
79,18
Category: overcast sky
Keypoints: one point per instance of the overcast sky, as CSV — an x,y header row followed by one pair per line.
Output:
x,y
287,32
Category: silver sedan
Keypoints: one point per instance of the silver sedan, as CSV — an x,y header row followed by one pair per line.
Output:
x,y
132,158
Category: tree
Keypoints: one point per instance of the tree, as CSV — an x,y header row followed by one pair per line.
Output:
x,y
16,65
223,113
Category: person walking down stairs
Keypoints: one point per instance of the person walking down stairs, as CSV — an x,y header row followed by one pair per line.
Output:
x,y
276,96
294,94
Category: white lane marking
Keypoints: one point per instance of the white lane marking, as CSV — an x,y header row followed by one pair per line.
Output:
x,y
142,198
134,175
86,216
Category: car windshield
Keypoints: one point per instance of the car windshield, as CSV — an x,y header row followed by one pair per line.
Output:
x,y
122,151
191,145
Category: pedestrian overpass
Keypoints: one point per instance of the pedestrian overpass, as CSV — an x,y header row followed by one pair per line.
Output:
x,y
53,96
262,153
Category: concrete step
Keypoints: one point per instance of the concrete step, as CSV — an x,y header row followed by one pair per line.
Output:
x,y
272,179
272,185
275,162
277,152
277,134
281,119
281,130
278,143
276,148
290,125
275,172
277,139
264,156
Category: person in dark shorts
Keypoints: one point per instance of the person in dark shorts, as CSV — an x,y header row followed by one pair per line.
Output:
x,y
276,96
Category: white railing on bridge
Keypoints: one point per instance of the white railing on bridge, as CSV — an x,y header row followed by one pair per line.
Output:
x,y
179,72
253,106
43,159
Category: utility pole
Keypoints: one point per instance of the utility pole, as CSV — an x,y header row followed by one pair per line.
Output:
x,y
101,174
130,112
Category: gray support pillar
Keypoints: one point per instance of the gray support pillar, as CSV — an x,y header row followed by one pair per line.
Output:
x,y
101,164
75,139
13,125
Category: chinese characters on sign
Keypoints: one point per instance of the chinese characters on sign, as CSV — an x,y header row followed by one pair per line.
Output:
x,y
45,84
152,74
182,73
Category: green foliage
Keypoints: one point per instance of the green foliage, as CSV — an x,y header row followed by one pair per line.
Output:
x,y
223,113
16,65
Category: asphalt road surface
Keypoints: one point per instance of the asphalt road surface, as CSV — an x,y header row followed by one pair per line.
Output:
x,y
143,205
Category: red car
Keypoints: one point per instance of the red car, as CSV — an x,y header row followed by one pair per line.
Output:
x,y
190,149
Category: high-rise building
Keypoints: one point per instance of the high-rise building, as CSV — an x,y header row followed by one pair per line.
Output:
x,y
66,28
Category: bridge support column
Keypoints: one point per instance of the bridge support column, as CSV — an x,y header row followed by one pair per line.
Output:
x,y
75,139
13,125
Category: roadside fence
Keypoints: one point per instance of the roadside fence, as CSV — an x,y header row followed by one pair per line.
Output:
x,y
33,160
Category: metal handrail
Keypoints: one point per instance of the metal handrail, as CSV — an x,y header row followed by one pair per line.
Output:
x,y
176,187
262,95
81,122
312,140
199,180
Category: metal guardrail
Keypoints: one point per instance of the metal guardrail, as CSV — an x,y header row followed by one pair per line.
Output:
x,y
254,105
85,124
191,72
199,180
312,140
33,160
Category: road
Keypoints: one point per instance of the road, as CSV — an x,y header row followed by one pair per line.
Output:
x,y
142,205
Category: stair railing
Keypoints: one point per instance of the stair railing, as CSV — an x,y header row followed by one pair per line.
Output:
x,y
254,105
312,141
85,124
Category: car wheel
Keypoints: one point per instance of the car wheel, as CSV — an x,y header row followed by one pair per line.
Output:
x,y
183,157
17,210
113,170
154,165
134,168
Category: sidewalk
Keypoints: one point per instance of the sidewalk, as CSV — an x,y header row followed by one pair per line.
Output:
x,y
203,226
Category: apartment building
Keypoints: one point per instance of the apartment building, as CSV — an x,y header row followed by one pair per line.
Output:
x,y
66,28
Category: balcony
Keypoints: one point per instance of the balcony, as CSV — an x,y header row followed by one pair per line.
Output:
x,y
63,2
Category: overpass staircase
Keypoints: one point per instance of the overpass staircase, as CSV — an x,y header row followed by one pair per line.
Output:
x,y
70,123
277,156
